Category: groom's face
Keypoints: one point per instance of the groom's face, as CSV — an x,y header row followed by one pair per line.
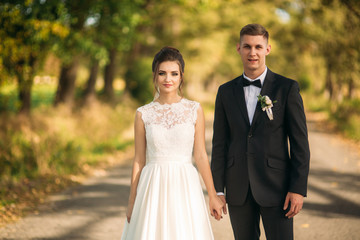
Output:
x,y
253,50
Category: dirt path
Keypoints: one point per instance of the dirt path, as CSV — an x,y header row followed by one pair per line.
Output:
x,y
96,209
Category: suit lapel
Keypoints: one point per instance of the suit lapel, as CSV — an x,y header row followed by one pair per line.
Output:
x,y
267,89
240,98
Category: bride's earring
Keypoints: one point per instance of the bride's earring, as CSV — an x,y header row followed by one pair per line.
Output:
x,y
157,92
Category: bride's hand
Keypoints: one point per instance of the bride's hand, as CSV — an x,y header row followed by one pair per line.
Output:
x,y
216,207
129,211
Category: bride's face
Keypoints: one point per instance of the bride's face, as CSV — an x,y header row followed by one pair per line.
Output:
x,y
168,77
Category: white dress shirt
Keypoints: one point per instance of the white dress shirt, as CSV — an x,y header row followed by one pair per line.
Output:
x,y
251,92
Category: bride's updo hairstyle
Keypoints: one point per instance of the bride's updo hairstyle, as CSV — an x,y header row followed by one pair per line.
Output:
x,y
168,54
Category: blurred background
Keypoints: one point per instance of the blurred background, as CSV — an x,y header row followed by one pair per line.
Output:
x,y
72,74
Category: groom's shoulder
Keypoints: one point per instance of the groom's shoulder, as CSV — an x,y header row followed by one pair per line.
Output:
x,y
279,77
230,84
282,80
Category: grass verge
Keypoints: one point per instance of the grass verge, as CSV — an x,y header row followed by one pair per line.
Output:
x,y
53,148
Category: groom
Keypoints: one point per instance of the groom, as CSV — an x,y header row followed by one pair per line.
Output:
x,y
260,159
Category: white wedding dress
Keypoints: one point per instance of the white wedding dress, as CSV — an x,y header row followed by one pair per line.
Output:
x,y
169,203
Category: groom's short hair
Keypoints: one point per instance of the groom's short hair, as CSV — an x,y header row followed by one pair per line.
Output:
x,y
254,29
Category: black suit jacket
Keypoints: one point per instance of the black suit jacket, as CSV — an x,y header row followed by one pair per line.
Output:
x,y
258,155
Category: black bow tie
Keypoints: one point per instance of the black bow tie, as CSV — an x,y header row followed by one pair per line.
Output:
x,y
256,83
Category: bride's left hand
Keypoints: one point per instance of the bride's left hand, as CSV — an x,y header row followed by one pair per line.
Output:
x,y
216,207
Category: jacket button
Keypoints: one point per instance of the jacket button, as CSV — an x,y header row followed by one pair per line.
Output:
x,y
250,135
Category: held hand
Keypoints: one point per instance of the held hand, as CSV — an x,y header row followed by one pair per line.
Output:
x,y
129,211
216,206
296,203
222,198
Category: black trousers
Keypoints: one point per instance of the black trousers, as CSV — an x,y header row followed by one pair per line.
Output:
x,y
245,220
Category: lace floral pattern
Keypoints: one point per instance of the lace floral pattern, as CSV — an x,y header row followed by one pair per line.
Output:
x,y
169,115
170,128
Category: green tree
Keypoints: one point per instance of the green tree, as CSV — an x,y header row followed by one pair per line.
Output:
x,y
117,25
332,29
164,23
27,31
78,43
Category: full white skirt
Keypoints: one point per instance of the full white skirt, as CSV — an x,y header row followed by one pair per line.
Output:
x,y
169,205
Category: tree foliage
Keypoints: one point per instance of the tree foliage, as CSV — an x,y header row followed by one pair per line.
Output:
x,y
314,41
27,31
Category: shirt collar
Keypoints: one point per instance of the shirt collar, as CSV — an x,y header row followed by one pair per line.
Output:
x,y
261,77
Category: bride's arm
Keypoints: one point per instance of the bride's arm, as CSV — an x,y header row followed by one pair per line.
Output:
x,y
203,165
139,161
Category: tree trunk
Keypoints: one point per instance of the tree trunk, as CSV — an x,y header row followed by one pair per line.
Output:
x,y
329,86
24,91
66,86
351,87
130,59
109,75
90,87
25,76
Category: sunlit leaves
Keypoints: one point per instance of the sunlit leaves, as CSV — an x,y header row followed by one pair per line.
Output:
x,y
23,35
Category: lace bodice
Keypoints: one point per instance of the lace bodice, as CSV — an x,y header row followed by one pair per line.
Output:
x,y
170,130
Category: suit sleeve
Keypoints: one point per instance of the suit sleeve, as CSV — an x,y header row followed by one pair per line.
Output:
x,y
219,144
298,138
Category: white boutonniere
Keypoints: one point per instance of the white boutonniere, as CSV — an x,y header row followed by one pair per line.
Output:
x,y
266,105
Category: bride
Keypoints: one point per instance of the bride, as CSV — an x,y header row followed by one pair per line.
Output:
x,y
166,199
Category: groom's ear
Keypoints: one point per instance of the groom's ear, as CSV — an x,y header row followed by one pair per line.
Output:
x,y
238,47
268,49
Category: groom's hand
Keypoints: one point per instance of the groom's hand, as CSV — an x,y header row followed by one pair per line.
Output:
x,y
293,202
216,205
222,198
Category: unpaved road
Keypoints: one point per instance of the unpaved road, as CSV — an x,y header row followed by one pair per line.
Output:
x,y
96,209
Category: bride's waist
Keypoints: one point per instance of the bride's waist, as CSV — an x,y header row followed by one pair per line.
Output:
x,y
169,159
